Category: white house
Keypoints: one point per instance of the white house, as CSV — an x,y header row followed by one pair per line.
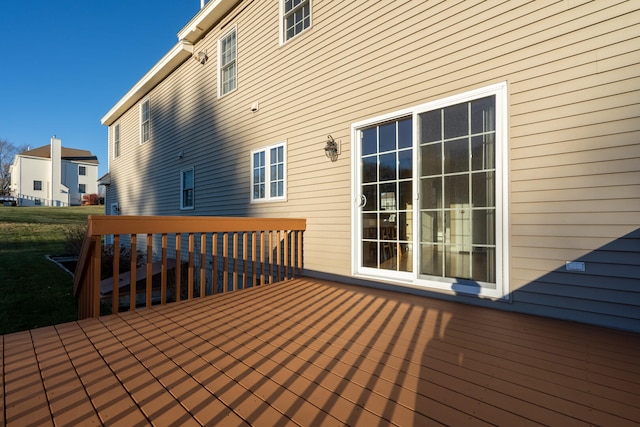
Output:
x,y
53,175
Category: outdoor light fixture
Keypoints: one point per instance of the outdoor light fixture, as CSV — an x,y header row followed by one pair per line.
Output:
x,y
331,149
202,57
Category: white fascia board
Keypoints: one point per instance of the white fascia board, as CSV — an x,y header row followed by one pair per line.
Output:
x,y
176,56
208,16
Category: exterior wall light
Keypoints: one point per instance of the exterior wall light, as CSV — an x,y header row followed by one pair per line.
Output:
x,y
331,149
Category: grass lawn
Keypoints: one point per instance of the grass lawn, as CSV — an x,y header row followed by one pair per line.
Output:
x,y
34,291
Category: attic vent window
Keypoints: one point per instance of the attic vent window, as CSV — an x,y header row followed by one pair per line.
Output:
x,y
296,17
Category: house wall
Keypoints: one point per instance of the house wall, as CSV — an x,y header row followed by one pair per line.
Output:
x,y
72,179
572,70
27,170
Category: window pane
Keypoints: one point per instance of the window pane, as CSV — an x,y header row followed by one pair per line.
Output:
x,y
371,194
369,169
370,226
406,195
456,155
431,260
405,164
430,126
483,189
405,133
431,159
369,141
388,137
431,227
483,152
484,265
370,254
484,227
388,201
456,121
456,190
431,197
483,113
387,166
457,264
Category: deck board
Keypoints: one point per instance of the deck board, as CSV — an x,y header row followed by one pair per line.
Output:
x,y
309,352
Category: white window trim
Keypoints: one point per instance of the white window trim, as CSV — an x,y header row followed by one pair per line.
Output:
x,y
267,150
145,101
80,168
116,132
281,25
225,35
182,171
498,90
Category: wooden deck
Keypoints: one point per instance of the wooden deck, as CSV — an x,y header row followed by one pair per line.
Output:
x,y
310,353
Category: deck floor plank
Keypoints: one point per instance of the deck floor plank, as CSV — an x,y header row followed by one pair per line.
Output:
x,y
310,352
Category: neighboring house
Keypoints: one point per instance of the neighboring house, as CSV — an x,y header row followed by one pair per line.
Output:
x,y
485,151
53,175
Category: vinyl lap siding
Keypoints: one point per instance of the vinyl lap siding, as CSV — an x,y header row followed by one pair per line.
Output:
x,y
572,69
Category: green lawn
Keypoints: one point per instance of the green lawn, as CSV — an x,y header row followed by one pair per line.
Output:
x,y
34,291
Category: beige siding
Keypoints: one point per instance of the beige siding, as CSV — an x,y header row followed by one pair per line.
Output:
x,y
572,70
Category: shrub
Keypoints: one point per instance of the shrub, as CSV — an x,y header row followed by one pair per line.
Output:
x,y
106,269
74,236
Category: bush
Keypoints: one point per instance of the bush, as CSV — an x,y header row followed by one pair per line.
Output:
x,y
106,269
74,236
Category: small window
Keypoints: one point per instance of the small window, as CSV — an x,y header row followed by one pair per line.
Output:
x,y
37,185
116,140
82,188
82,170
268,173
145,121
295,17
187,187
227,63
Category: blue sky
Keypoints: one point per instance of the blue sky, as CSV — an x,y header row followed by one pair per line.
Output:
x,y
65,63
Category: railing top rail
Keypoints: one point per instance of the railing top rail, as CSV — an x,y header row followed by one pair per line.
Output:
x,y
103,225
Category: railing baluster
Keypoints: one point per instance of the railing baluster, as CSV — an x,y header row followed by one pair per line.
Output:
x,y
225,264
262,260
235,261
214,260
178,290
96,260
286,255
163,273
115,278
278,256
270,256
134,266
203,263
149,287
299,234
245,242
190,277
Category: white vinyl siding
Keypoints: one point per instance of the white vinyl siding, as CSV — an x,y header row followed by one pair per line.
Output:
x,y
227,64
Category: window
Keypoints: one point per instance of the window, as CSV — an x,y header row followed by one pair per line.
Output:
x,y
82,188
145,121
431,182
268,168
116,140
37,185
227,63
82,170
187,187
295,18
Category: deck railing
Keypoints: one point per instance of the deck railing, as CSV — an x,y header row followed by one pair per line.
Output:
x,y
183,258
